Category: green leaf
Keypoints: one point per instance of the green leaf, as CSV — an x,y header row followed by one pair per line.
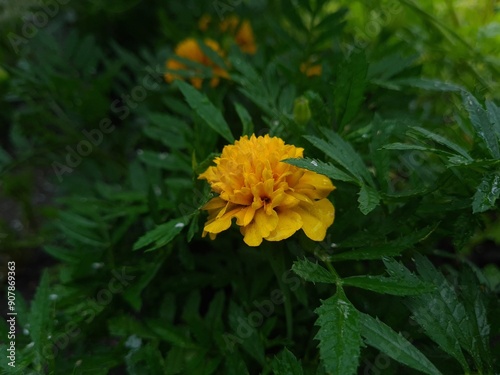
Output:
x,y
206,110
161,235
170,162
494,116
132,294
427,84
147,359
339,335
285,363
171,334
385,339
244,334
487,193
389,249
442,140
312,272
389,285
245,118
481,123
405,147
320,167
441,314
343,153
475,305
349,88
368,199
41,319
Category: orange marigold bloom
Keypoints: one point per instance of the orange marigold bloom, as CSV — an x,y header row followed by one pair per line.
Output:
x,y
311,70
242,31
190,49
270,199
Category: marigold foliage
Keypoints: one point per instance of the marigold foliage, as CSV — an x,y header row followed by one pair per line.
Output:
x,y
270,199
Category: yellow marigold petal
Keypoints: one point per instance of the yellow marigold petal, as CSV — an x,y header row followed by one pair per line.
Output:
x,y
316,218
251,235
214,203
220,224
289,222
314,185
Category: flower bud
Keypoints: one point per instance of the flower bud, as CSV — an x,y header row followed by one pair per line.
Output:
x,y
301,111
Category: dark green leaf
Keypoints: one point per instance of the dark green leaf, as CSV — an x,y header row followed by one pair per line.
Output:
x,y
382,337
349,89
312,272
41,319
388,285
482,124
245,118
368,199
442,140
322,168
487,193
206,110
494,116
286,363
161,235
390,249
339,335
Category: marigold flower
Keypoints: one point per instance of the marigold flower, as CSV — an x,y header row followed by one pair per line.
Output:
x,y
190,49
270,199
311,70
242,31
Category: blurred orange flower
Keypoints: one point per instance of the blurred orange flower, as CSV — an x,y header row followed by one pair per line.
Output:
x,y
240,30
190,49
310,69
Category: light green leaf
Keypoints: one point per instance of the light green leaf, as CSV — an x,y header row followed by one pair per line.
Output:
x,y
206,110
161,235
487,193
339,335
312,272
368,199
320,167
481,122
385,339
285,363
388,285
